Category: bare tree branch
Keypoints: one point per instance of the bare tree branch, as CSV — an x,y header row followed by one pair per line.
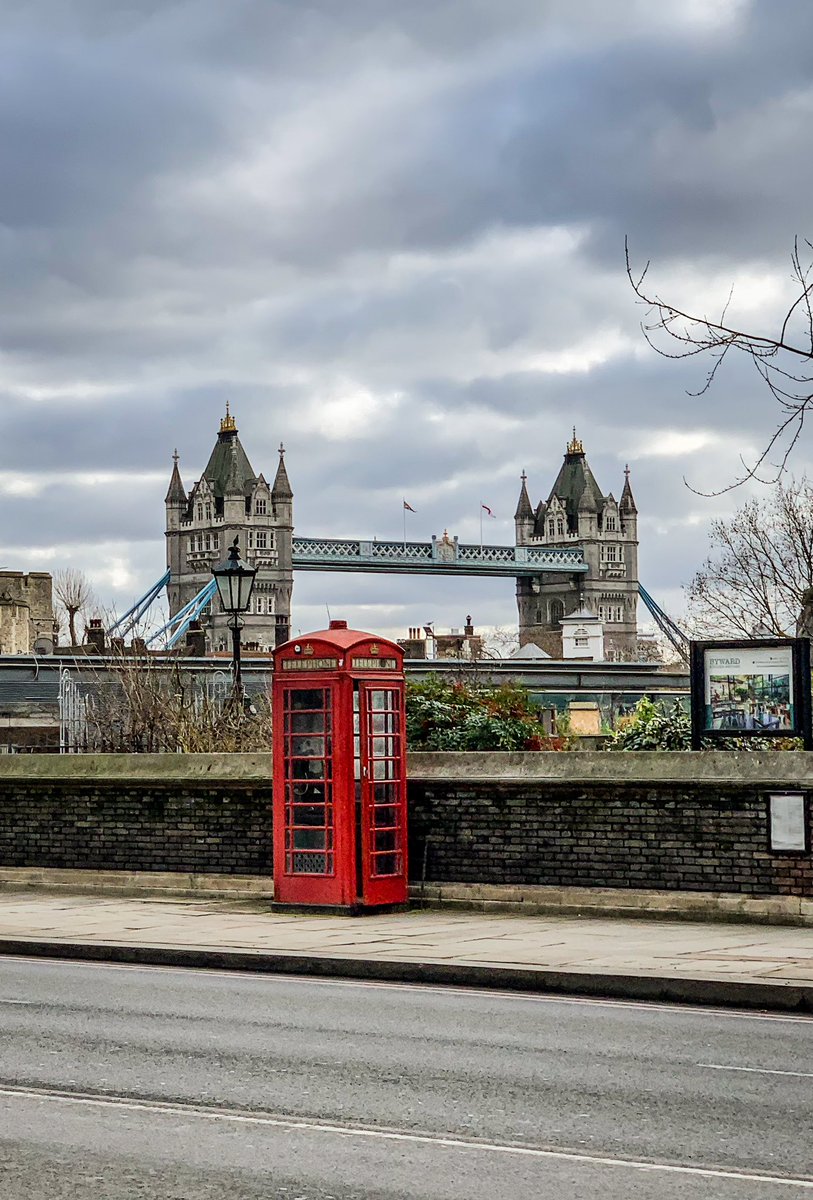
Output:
x,y
760,567
74,595
784,361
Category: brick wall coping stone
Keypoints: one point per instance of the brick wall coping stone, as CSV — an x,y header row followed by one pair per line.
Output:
x,y
776,768
772,768
236,770
768,769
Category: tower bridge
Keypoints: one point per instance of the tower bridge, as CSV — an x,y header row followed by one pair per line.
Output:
x,y
577,551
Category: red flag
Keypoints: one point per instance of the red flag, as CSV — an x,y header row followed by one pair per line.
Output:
x,y
488,510
408,507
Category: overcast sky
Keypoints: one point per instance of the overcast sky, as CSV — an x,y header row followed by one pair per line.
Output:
x,y
391,233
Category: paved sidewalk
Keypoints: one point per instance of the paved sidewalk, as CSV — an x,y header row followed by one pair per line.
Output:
x,y
758,965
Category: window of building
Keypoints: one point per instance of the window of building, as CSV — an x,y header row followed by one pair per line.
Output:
x,y
208,541
560,527
556,610
261,539
551,529
609,524
259,604
610,613
581,641
208,512
261,507
609,553
200,512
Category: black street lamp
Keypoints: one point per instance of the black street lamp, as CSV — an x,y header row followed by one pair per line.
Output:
x,y
235,581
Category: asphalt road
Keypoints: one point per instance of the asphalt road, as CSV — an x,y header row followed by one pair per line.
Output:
x,y
129,1082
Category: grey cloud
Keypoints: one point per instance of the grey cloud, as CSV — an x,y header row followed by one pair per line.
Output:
x,y
274,201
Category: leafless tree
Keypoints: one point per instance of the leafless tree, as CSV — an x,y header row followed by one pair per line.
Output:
x,y
500,642
142,703
783,359
760,567
74,596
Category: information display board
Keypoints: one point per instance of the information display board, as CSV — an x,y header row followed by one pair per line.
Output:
x,y
755,688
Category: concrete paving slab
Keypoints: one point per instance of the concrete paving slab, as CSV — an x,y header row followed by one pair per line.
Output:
x,y
689,960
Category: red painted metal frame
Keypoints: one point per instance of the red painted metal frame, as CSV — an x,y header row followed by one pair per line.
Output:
x,y
350,883
391,887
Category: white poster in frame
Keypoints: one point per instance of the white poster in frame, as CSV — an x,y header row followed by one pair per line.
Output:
x,y
787,821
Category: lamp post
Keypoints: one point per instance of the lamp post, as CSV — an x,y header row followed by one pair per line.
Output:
x,y
235,581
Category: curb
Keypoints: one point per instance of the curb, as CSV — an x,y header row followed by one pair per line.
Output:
x,y
665,989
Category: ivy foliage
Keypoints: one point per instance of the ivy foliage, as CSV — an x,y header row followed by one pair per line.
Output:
x,y
459,716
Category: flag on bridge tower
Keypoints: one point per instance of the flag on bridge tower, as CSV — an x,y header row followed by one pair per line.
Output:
x,y
491,514
407,508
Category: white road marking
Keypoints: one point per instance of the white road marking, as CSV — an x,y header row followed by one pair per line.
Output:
x,y
394,1135
757,1070
442,988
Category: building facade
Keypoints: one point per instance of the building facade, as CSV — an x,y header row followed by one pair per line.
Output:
x,y
577,512
230,501
26,613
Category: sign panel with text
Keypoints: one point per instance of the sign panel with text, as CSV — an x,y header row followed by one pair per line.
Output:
x,y
750,688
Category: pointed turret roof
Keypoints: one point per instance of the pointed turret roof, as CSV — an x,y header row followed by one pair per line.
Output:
x,y
234,483
282,486
575,484
228,468
591,499
524,511
176,493
627,499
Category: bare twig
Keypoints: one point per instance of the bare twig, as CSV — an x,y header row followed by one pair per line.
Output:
x,y
783,362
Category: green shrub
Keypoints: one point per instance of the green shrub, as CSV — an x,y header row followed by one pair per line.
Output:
x,y
652,727
457,716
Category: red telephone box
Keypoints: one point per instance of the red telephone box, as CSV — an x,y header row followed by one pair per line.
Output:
x,y
340,825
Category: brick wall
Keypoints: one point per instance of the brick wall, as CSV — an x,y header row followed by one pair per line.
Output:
x,y
570,837
137,813
200,830
592,821
674,822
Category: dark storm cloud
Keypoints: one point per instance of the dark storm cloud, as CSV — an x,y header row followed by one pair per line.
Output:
x,y
392,235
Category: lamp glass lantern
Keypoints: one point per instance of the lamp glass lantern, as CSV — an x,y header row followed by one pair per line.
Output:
x,y
235,582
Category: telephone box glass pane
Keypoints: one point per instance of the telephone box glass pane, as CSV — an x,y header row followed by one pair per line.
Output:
x,y
306,722
308,782
308,698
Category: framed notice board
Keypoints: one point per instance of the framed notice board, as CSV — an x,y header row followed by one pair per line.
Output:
x,y
751,688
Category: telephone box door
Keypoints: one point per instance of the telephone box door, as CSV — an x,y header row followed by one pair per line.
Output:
x,y
382,761
307,852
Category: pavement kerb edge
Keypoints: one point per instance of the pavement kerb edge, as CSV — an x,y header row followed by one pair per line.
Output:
x,y
666,989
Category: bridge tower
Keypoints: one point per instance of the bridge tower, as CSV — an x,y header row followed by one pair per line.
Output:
x,y
230,501
576,512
